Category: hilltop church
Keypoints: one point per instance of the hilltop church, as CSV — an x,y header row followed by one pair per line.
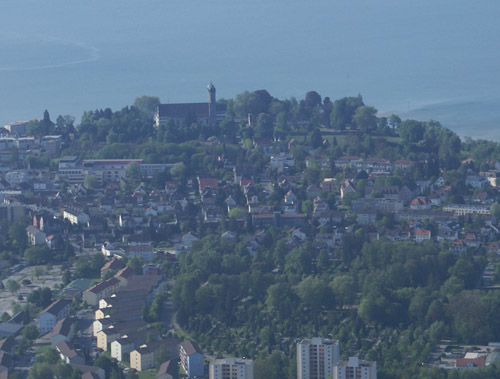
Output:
x,y
203,113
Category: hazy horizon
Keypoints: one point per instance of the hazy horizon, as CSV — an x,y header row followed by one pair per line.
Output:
x,y
420,60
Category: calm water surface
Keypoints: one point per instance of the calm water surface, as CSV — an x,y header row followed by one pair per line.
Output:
x,y
426,59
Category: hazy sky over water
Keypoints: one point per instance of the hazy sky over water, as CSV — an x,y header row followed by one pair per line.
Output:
x,y
431,59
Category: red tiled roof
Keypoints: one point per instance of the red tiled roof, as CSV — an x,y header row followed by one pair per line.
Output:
x,y
422,232
208,182
464,362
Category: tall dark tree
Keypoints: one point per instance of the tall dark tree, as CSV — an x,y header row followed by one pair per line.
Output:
x,y
312,99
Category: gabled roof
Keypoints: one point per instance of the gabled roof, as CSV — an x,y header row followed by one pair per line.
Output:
x,y
67,349
57,306
113,264
169,367
103,285
63,326
125,272
190,347
422,232
207,182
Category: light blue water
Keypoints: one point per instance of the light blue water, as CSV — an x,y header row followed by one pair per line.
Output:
x,y
424,59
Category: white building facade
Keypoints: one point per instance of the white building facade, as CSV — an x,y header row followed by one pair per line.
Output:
x,y
231,368
316,358
355,369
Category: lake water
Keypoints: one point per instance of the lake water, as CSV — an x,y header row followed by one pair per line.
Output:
x,y
423,59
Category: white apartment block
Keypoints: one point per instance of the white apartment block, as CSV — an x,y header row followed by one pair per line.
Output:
x,y
355,369
56,311
464,209
75,217
231,368
316,358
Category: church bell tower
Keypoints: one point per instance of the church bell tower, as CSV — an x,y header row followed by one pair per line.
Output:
x,y
212,108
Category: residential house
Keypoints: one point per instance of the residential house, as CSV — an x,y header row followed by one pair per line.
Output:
x,y
188,239
458,246
476,182
75,216
191,358
109,249
113,265
124,276
115,331
64,330
35,236
408,192
68,353
313,191
230,202
131,341
422,235
143,358
56,311
347,187
435,199
290,198
122,311
100,291
420,204
169,370
328,185
494,247
282,160
143,252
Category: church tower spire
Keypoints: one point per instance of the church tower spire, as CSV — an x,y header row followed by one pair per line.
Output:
x,y
212,107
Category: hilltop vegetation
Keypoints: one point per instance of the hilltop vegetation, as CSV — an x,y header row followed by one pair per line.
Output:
x,y
255,294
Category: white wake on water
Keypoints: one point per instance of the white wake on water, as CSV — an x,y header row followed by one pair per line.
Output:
x,y
14,46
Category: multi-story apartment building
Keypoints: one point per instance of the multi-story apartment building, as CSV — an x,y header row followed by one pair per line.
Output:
x,y
191,358
144,357
316,358
231,368
75,216
464,209
101,291
56,311
355,369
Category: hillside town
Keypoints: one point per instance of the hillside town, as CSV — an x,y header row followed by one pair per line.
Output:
x,y
94,243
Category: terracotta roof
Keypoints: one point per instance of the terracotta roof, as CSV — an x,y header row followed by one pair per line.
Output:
x,y
208,182
125,272
113,264
476,362
422,232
